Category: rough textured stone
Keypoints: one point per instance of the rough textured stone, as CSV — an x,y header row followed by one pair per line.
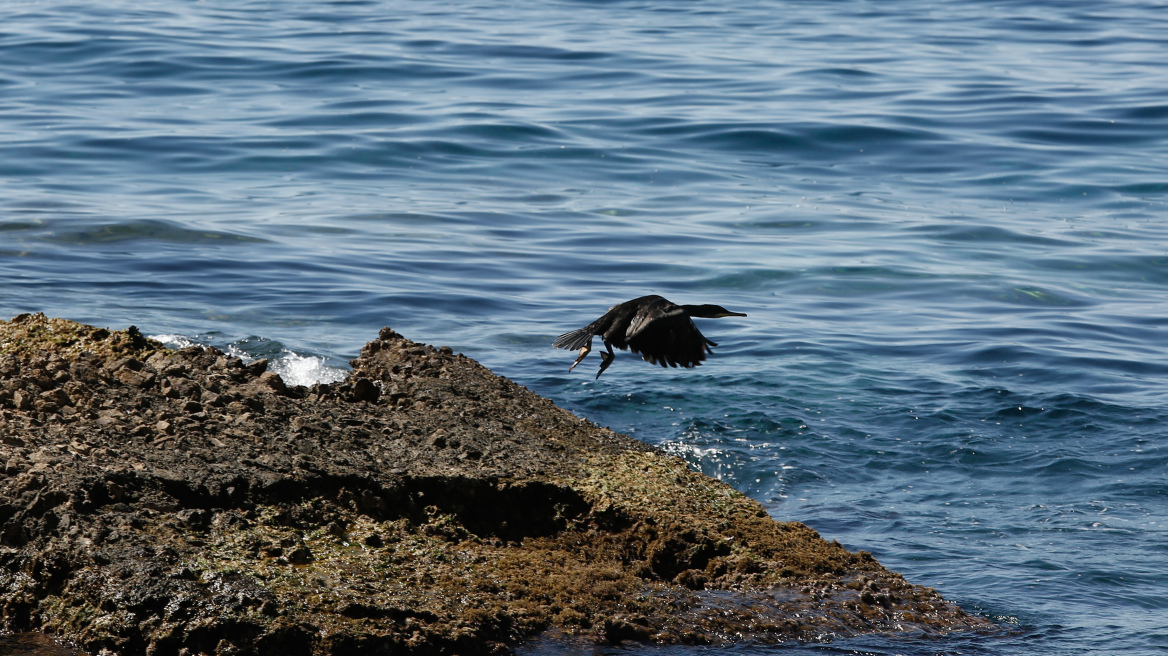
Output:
x,y
156,501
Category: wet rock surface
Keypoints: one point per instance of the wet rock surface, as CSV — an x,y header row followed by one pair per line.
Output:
x,y
186,502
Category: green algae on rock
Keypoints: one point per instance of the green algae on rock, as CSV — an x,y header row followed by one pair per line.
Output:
x,y
183,502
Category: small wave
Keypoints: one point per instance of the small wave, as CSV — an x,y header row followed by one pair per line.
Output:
x,y
306,370
295,369
118,232
173,341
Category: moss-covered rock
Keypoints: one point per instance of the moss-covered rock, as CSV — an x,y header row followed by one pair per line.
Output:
x,y
185,502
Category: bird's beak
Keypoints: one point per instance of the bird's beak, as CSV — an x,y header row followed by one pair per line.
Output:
x,y
732,314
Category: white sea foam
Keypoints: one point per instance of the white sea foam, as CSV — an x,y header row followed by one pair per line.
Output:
x,y
174,341
294,368
305,369
236,352
691,452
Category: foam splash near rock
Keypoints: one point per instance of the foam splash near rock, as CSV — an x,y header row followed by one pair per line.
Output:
x,y
169,502
295,369
306,370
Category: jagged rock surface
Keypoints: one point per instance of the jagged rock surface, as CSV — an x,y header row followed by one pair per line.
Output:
x,y
186,502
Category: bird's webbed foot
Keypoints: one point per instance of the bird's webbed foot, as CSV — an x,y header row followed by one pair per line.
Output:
x,y
605,360
583,352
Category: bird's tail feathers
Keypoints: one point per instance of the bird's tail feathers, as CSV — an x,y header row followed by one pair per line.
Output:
x,y
577,339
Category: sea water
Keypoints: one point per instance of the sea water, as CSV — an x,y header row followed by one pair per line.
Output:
x,y
946,220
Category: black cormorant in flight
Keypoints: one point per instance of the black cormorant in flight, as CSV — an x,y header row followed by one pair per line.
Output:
x,y
662,332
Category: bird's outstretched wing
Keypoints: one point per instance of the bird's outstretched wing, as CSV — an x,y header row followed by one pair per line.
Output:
x,y
649,310
663,334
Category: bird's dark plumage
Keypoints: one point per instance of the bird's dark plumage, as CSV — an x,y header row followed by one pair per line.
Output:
x,y
660,331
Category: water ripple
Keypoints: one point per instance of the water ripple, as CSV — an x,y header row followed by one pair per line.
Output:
x,y
944,222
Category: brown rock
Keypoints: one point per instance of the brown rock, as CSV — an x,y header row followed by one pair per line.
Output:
x,y
135,377
22,400
57,396
301,555
273,380
461,516
365,390
257,367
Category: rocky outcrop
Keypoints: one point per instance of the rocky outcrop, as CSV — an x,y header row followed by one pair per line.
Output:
x,y
186,502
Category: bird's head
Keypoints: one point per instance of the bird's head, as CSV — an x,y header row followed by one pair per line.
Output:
x,y
710,312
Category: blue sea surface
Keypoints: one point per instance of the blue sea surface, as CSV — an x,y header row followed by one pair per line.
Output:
x,y
947,221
